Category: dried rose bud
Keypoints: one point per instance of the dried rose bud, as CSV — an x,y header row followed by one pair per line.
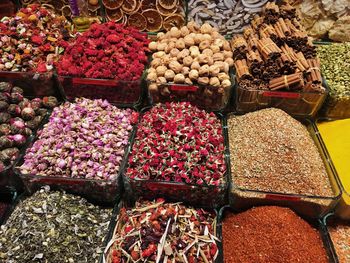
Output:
x,y
5,87
17,125
17,139
27,132
17,90
50,102
3,105
41,112
33,124
28,113
6,142
16,97
4,117
14,110
4,96
5,129
24,103
9,154
36,103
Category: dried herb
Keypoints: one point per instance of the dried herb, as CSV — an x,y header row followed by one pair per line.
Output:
x,y
155,231
54,227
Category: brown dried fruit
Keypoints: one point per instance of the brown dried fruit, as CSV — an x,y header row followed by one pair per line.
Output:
x,y
130,6
137,20
168,4
164,11
114,15
173,21
154,20
148,4
112,4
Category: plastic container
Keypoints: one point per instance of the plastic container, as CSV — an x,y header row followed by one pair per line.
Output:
x,y
326,222
35,84
297,104
117,92
315,223
7,197
306,205
113,223
95,191
343,207
197,195
196,94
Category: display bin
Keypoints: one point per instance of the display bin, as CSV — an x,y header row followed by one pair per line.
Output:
x,y
95,191
8,198
313,222
117,92
35,84
202,195
203,96
326,222
306,205
343,208
298,104
129,204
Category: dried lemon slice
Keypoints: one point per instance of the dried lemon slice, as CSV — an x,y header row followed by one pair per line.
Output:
x,y
114,15
112,4
154,20
165,12
173,21
168,4
137,20
130,6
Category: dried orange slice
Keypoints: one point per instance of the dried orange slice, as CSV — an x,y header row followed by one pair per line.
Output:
x,y
173,21
168,4
130,6
114,15
137,20
112,4
154,20
165,12
148,4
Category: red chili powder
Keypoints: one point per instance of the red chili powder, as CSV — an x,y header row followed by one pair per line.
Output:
x,y
270,234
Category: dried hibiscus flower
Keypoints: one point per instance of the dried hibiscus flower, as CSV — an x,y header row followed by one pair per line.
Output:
x,y
106,51
177,142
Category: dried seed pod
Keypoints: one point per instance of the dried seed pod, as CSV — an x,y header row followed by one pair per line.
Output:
x,y
152,76
160,35
204,70
175,66
184,31
161,46
174,52
204,44
195,65
169,75
156,62
194,51
175,32
229,61
214,70
207,37
215,48
188,61
193,26
219,42
161,80
169,47
185,71
226,67
227,54
226,46
182,54
218,57
158,54
206,28
180,44
208,52
189,41
179,78
161,70
188,81
203,80
214,81
193,74
197,39
226,83
203,59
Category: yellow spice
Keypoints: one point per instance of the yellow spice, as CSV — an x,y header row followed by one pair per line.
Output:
x,y
336,136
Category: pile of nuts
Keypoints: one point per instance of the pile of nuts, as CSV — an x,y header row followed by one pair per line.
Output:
x,y
146,15
190,55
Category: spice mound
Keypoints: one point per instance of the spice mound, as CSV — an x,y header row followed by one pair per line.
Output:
x,y
155,231
19,117
177,142
54,227
271,151
106,51
270,235
340,235
32,40
85,139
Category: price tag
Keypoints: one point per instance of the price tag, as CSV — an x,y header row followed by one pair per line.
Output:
x,y
183,88
279,94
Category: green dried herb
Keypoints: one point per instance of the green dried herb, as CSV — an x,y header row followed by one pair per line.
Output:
x,y
54,227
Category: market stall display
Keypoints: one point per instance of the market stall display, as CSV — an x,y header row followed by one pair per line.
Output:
x,y
156,231
326,19
270,234
107,62
335,59
274,158
80,149
67,228
334,136
178,152
191,63
276,65
146,15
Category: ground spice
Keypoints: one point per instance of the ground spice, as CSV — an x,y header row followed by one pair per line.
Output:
x,y
270,234
340,235
271,151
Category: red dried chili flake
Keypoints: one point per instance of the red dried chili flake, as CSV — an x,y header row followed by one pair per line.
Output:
x,y
172,145
270,234
106,51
